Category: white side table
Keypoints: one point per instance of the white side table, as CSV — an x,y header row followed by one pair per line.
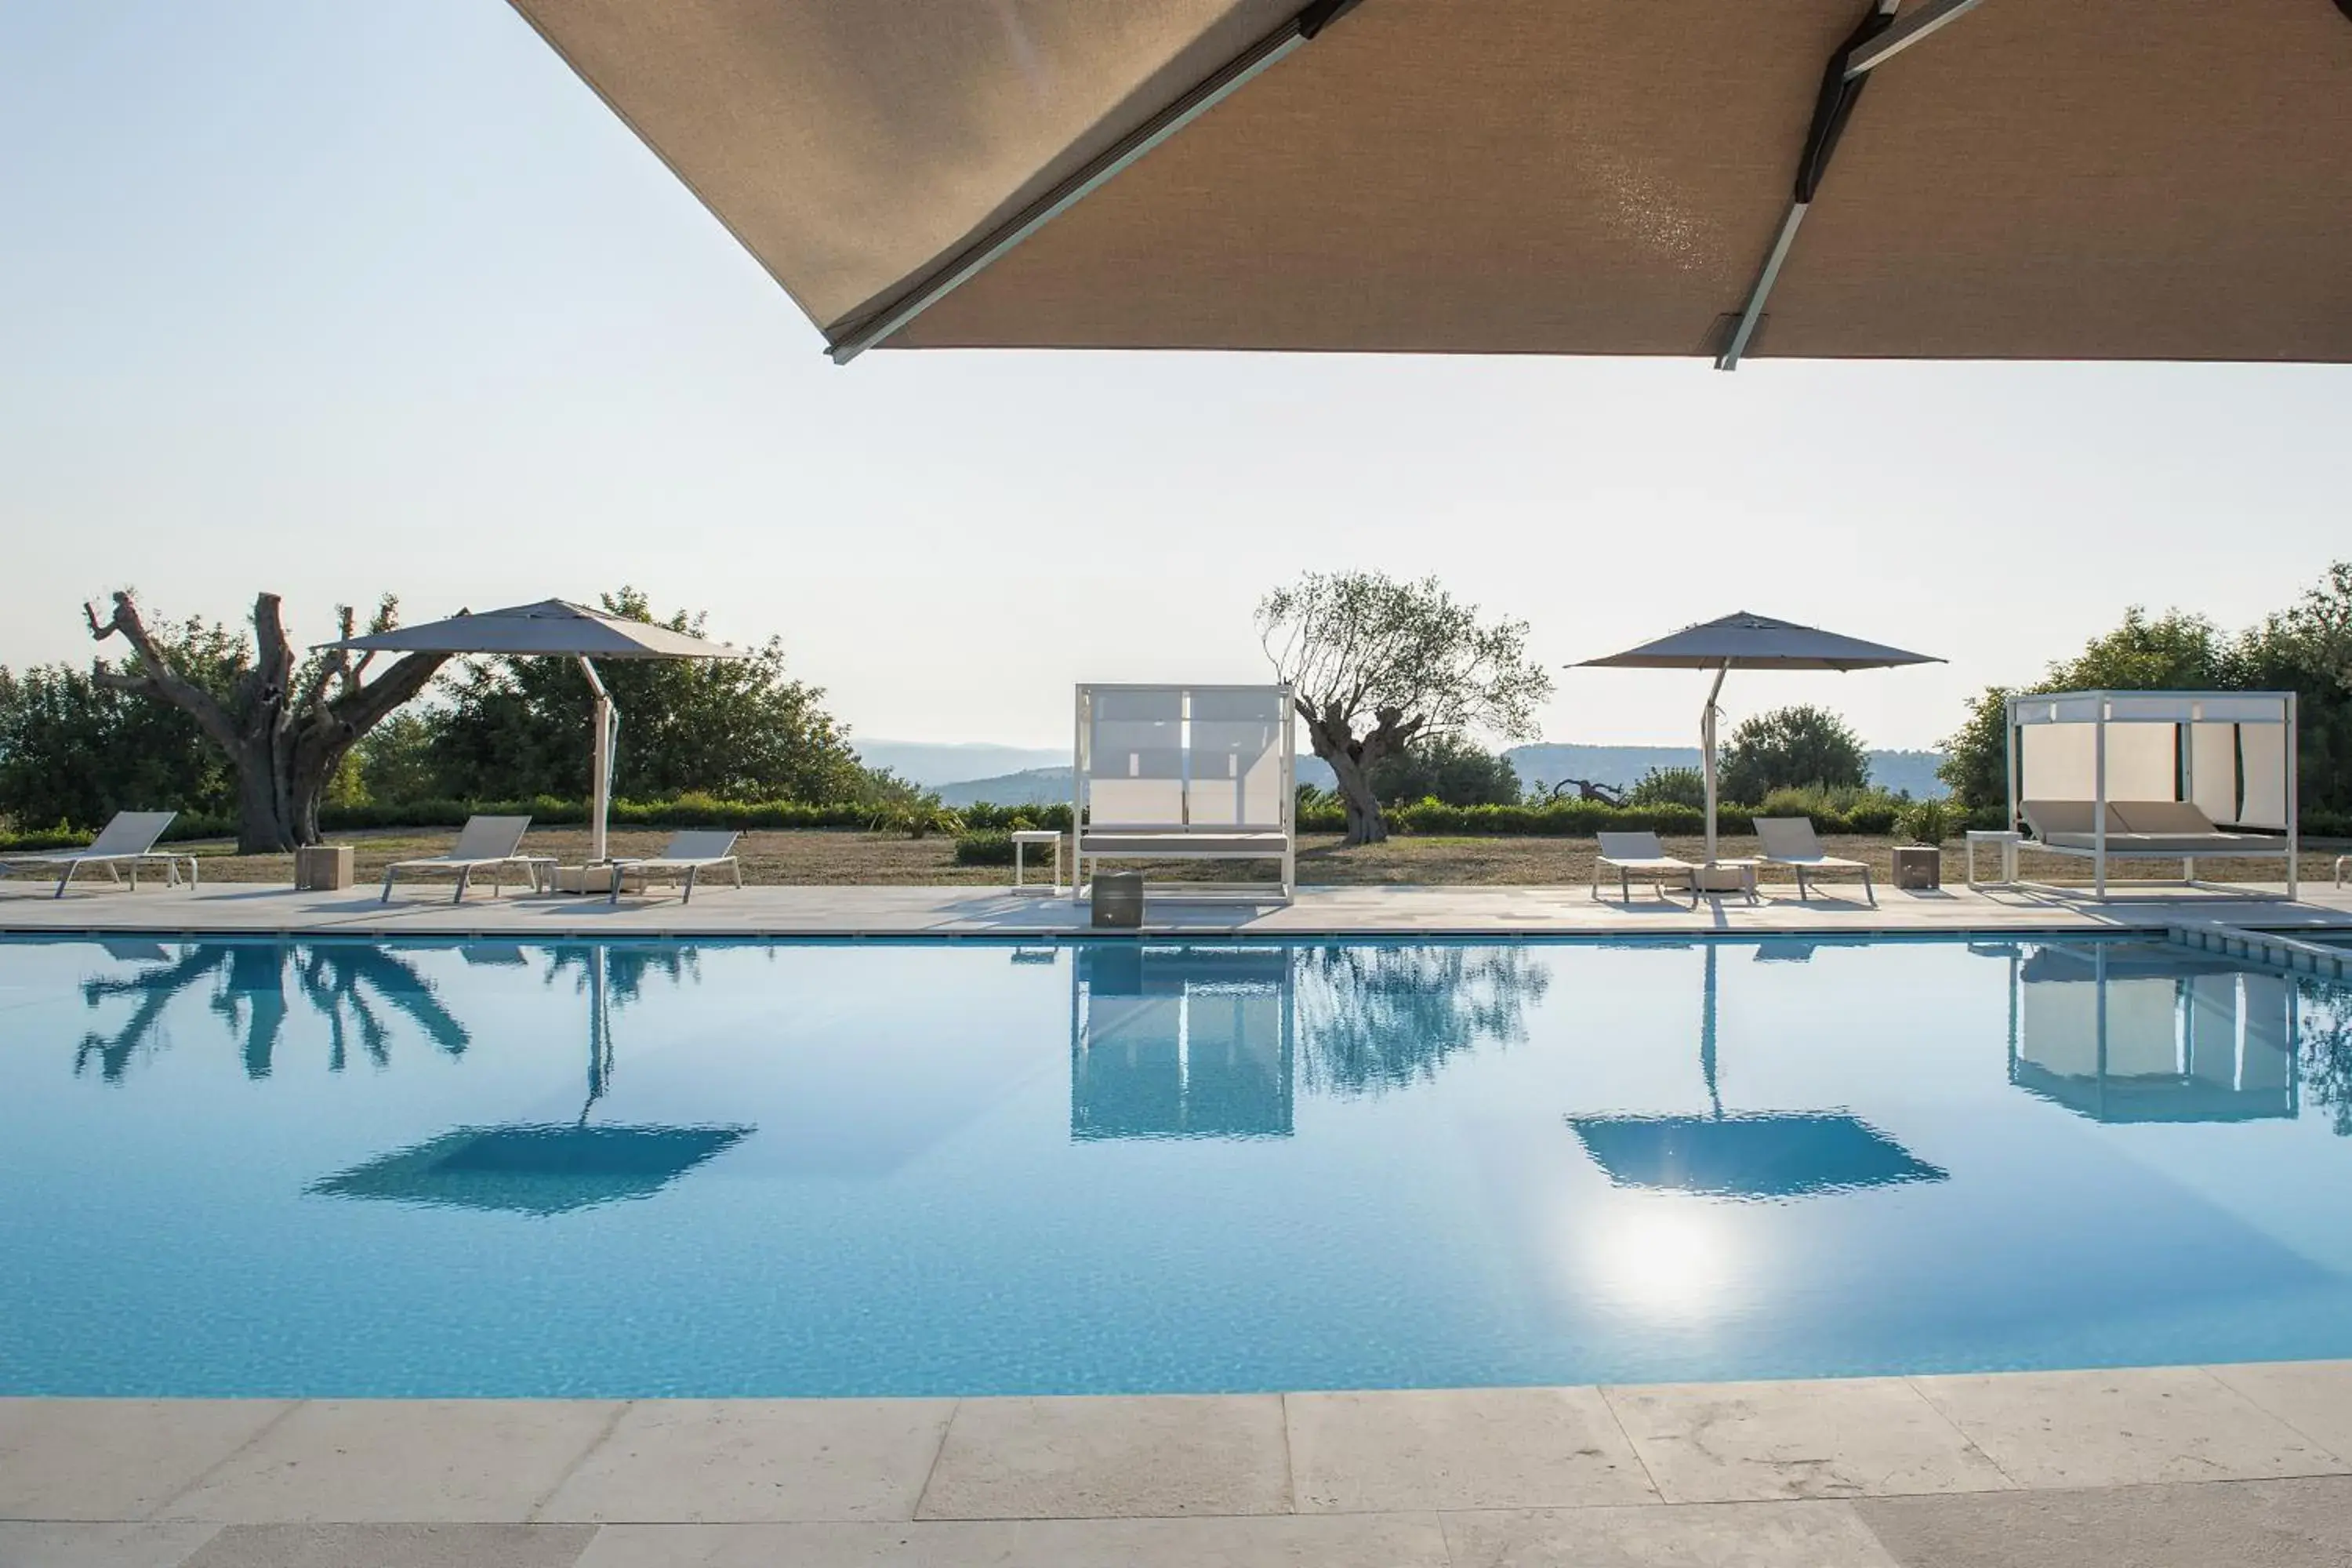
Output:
x,y
2007,837
1024,837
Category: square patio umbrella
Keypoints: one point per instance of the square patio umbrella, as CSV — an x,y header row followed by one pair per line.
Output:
x,y
555,628
2108,179
1746,641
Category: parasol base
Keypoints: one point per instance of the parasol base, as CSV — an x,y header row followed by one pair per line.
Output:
x,y
1725,877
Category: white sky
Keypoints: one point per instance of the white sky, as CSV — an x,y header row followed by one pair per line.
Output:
x,y
334,300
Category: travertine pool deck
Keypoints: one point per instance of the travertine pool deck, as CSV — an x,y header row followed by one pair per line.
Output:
x,y
2202,1465
827,911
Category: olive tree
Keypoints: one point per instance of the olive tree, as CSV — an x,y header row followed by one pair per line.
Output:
x,y
285,723
1375,664
1791,748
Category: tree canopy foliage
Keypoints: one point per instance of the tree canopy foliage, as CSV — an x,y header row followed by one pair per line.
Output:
x,y
736,729
73,751
1375,665
77,745
1669,786
1448,769
2306,649
1791,748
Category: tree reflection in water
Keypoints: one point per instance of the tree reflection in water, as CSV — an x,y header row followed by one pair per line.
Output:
x,y
626,968
1373,1018
2327,1049
349,983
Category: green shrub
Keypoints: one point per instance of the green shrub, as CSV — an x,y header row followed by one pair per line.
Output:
x,y
1836,810
984,849
1926,821
1670,786
1447,769
1791,748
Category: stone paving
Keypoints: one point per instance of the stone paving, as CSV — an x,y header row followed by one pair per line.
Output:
x,y
2158,1468
967,911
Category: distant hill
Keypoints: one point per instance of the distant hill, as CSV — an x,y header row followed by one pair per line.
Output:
x,y
1914,772
1049,787
933,765
1538,766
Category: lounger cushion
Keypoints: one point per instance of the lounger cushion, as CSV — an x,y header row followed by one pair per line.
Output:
x,y
2173,816
1628,849
1176,845
2051,819
2172,843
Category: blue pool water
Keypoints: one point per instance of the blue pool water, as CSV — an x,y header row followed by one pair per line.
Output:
x,y
759,1169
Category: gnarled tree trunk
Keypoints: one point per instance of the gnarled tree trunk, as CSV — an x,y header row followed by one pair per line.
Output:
x,y
1351,758
285,743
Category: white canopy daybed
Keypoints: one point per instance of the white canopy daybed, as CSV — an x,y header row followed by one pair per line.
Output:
x,y
1185,773
2155,776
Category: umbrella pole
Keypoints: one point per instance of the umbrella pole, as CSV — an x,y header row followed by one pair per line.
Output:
x,y
600,777
1707,1032
1706,752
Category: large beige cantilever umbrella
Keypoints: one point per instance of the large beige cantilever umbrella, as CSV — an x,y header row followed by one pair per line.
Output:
x,y
554,628
2103,179
1746,641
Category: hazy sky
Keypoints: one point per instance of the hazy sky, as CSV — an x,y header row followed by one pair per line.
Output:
x,y
337,299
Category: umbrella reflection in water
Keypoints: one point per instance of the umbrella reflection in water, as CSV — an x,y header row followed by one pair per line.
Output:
x,y
1766,1155
545,1168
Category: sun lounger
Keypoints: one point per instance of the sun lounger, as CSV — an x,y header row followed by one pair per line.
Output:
x,y
128,840
692,852
491,842
1790,841
1631,855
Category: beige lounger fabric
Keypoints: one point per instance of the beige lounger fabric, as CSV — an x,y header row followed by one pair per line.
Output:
x,y
691,851
1790,841
2159,827
491,842
128,840
1631,855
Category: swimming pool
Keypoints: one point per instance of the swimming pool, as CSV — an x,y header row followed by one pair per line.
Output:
x,y
349,1168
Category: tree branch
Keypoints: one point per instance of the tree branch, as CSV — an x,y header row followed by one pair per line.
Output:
x,y
157,678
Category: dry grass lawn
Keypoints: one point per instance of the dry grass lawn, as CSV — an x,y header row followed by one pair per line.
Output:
x,y
817,857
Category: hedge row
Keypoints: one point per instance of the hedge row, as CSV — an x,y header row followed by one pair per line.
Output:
x,y
1555,819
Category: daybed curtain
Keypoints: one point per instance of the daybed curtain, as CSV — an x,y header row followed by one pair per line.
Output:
x,y
2213,770
1236,773
1135,759
2262,754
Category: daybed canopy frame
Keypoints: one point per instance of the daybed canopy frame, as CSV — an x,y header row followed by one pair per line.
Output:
x,y
1185,773
2229,754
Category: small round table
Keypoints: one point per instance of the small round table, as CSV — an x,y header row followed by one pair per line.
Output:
x,y
1026,837
2007,837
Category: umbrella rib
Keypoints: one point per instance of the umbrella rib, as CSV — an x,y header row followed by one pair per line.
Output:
x,y
1880,37
863,331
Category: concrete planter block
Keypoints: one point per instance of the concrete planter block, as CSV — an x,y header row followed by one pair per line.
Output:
x,y
1118,900
1919,867
322,867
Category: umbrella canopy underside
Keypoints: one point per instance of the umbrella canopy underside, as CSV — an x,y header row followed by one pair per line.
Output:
x,y
2109,179
550,628
1744,640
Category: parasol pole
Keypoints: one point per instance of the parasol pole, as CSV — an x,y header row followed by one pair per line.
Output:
x,y
599,784
1706,751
